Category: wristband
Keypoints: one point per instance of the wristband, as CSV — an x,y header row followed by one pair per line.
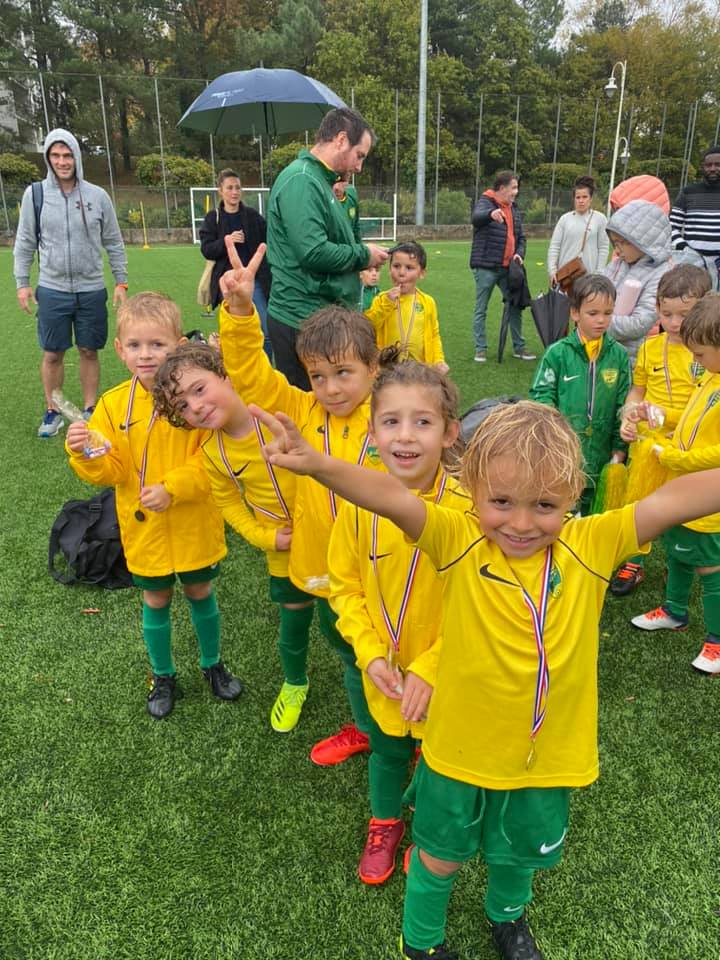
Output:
x,y
124,285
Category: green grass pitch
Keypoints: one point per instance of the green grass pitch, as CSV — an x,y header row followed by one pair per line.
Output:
x,y
209,837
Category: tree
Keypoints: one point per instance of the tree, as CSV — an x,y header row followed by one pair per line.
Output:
x,y
289,40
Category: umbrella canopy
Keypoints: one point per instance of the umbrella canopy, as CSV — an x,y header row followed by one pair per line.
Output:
x,y
551,313
260,101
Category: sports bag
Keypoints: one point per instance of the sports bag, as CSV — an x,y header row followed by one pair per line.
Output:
x,y
85,544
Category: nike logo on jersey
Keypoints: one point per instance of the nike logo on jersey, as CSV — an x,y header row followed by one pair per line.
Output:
x,y
486,572
568,379
549,847
236,473
655,369
377,556
131,424
682,549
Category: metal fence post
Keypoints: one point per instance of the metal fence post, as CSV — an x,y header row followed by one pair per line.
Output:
x,y
592,142
477,156
554,161
162,154
107,139
397,139
437,161
517,134
44,103
662,137
5,210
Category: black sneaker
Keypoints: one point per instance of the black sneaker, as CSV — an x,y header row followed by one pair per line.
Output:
x,y
440,952
626,578
161,698
222,683
514,940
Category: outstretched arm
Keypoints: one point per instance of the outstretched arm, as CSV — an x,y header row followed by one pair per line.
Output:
x,y
680,500
370,489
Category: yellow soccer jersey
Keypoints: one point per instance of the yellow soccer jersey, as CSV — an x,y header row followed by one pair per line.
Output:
x,y
481,713
188,535
669,375
355,596
411,321
257,382
248,499
696,441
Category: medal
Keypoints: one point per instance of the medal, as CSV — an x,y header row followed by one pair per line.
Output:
x,y
588,430
326,451
139,516
532,757
396,669
542,681
285,516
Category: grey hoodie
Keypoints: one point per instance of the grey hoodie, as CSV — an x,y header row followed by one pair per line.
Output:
x,y
645,226
74,228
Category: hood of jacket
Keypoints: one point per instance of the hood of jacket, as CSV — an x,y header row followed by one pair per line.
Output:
x,y
63,136
645,226
642,187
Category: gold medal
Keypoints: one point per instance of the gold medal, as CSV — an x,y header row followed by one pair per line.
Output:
x,y
588,430
396,669
532,756
139,516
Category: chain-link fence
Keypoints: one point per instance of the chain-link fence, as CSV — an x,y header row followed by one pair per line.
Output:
x,y
120,119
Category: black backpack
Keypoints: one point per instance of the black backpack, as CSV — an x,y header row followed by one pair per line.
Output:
x,y
472,418
85,539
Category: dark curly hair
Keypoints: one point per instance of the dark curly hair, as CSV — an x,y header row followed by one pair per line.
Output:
x,y
165,389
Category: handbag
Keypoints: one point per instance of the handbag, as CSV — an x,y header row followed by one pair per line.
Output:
x,y
571,271
203,289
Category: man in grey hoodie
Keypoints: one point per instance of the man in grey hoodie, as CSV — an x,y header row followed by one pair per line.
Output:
x,y
77,220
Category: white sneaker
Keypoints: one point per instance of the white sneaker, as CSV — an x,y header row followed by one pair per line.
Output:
x,y
480,356
52,424
523,355
708,660
659,619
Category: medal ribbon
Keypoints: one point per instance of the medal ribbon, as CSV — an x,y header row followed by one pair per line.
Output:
x,y
326,450
666,371
710,402
226,463
126,426
394,631
590,400
405,337
538,615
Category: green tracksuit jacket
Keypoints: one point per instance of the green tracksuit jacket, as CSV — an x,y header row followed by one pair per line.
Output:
x,y
312,248
563,380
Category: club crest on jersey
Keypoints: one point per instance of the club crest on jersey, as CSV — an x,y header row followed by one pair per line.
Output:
x,y
555,582
610,377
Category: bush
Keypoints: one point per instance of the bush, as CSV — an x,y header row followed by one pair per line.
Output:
x,y
565,174
375,208
281,157
18,170
670,169
452,206
179,171
536,211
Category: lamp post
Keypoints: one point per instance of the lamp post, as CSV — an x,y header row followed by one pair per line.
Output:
x,y
610,88
422,111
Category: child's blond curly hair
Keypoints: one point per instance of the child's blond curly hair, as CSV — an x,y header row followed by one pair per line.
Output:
x,y
537,439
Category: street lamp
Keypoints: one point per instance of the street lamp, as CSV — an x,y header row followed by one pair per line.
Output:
x,y
610,88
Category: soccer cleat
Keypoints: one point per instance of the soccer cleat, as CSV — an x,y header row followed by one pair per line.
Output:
x,y
659,619
708,660
480,356
340,746
288,707
523,355
222,683
161,698
626,578
52,424
440,952
514,940
377,862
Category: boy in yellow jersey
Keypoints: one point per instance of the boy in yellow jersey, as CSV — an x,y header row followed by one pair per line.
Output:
x,y
192,390
387,596
694,547
337,347
404,314
665,375
512,724
167,527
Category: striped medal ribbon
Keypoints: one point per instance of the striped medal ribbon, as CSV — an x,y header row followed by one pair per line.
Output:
x,y
139,513
542,682
405,336
326,451
285,515
666,371
709,403
394,630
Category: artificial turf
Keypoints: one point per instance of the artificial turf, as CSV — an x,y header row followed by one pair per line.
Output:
x,y
208,836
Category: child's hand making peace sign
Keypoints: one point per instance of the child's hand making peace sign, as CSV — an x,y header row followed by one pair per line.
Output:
x,y
237,284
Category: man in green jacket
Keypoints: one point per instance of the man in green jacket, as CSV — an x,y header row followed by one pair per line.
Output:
x,y
313,252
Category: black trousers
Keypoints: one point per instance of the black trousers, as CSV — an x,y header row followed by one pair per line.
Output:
x,y
287,361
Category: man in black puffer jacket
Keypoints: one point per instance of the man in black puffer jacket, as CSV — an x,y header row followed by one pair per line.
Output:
x,y
493,247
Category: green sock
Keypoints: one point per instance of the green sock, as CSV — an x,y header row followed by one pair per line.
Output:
x,y
388,768
426,902
206,621
677,590
293,643
509,890
156,633
711,601
352,676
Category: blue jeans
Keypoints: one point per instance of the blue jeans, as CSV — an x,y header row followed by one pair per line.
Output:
x,y
485,281
260,302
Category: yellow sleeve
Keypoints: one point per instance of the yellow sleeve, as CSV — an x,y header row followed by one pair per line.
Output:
x,y
640,375
347,596
250,371
426,664
689,461
237,513
188,481
379,312
111,469
434,352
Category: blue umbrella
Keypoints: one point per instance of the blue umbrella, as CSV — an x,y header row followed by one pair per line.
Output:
x,y
260,101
